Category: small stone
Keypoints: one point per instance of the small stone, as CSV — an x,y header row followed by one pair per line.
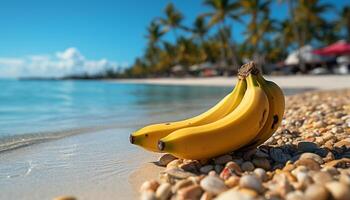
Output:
x,y
178,173
191,166
331,170
181,184
148,195
342,143
279,156
247,155
251,182
309,163
322,177
213,184
295,195
304,179
345,179
341,163
230,169
190,192
206,196
206,169
248,192
337,130
261,174
262,163
260,154
247,166
307,147
233,194
316,192
163,191
173,164
233,181
312,156
165,159
218,168
329,157
65,198
149,185
338,190
221,160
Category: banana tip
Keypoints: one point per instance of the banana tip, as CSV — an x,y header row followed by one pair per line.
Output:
x,y
161,145
132,139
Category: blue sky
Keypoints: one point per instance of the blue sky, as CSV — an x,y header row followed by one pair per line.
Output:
x,y
96,30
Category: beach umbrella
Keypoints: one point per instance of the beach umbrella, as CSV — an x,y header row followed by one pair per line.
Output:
x,y
306,53
339,48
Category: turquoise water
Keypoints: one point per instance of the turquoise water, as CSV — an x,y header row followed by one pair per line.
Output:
x,y
35,111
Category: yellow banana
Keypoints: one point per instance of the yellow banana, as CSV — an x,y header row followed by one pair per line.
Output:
x,y
224,135
276,111
148,136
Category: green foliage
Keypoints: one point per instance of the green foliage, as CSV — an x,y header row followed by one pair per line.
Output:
x,y
209,39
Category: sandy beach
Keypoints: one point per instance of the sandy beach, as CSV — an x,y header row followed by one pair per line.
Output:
x,y
323,82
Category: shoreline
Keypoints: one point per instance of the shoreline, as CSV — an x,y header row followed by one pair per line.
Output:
x,y
319,82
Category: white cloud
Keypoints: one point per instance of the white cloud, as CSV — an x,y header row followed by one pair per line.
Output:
x,y
68,62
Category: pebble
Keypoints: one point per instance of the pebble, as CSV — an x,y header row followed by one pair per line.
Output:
x,y
148,195
278,156
65,198
307,147
163,191
340,163
178,173
191,166
149,185
309,163
206,169
221,160
295,195
190,192
338,190
181,184
213,184
251,182
218,168
262,163
312,156
261,174
247,166
233,181
173,164
165,159
233,194
230,170
316,192
206,196
345,178
321,177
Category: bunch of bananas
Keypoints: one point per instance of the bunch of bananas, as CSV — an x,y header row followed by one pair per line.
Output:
x,y
245,118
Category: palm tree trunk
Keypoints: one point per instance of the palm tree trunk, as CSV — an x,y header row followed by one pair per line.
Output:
x,y
296,34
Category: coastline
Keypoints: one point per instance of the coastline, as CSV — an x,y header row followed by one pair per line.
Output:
x,y
319,82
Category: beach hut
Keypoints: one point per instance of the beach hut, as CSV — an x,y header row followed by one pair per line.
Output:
x,y
307,56
178,70
341,50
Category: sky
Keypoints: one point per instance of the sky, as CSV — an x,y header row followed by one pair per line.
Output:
x,y
56,38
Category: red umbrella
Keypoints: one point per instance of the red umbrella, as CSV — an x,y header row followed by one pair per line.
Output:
x,y
338,48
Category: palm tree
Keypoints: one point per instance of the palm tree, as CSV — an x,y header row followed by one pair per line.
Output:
x,y
259,22
344,21
172,20
154,33
200,28
221,10
307,20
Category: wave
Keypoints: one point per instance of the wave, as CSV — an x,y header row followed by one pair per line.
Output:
x,y
13,142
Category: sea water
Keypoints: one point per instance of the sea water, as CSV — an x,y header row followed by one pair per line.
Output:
x,y
35,111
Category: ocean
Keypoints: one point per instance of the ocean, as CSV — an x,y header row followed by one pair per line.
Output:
x,y
37,111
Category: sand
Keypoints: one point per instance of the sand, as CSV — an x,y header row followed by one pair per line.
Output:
x,y
324,82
